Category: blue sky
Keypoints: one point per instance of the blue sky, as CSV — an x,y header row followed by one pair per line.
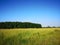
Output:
x,y
45,12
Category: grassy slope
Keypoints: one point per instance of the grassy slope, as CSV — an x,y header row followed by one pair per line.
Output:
x,y
35,36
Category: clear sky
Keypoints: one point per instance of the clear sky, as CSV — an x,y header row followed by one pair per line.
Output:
x,y
45,12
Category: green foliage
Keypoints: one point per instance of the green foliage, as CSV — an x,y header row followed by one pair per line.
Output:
x,y
19,25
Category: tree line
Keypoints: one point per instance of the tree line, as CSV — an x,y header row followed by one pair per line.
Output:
x,y
4,25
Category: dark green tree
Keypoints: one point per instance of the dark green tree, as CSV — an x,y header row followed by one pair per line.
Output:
x,y
19,25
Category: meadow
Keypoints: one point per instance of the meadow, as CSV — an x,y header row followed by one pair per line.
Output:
x,y
30,36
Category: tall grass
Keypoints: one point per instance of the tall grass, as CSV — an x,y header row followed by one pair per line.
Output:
x,y
30,37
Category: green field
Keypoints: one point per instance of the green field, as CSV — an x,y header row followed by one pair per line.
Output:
x,y
30,36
